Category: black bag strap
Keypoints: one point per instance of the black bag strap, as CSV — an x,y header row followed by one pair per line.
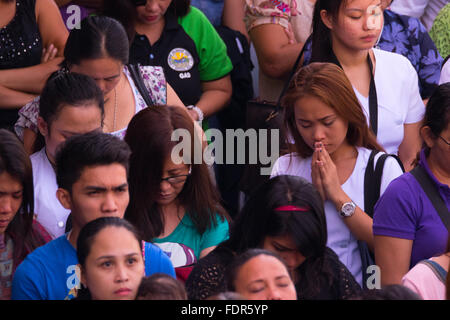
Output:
x,y
136,75
373,99
372,180
432,193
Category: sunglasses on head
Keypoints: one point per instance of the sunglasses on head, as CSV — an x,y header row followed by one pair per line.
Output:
x,y
138,3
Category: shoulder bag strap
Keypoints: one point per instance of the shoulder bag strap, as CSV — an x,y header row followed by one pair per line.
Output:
x,y
432,193
372,180
440,272
139,83
380,165
370,187
373,99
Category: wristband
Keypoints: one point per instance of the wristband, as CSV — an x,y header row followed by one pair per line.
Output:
x,y
198,110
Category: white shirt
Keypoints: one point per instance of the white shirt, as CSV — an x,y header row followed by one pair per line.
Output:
x,y
445,73
425,10
399,100
50,213
340,239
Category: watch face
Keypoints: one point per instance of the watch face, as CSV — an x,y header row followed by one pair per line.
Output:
x,y
348,209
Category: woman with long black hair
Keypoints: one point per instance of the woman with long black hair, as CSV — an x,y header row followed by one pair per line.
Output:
x,y
286,216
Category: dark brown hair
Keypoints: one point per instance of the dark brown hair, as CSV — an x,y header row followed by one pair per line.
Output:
x,y
328,83
161,286
149,137
322,50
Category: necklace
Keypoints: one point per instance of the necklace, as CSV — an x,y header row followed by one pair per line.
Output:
x,y
115,110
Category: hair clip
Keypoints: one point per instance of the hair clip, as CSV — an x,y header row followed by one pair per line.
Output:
x,y
293,208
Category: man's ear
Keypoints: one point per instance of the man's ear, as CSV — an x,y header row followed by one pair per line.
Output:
x,y
326,19
42,126
64,198
428,136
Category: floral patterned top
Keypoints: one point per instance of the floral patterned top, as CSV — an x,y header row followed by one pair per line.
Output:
x,y
407,36
154,81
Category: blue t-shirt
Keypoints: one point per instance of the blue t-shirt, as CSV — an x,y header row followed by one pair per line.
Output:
x,y
49,272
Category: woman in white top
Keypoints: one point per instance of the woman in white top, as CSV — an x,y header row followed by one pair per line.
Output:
x,y
445,73
344,33
332,147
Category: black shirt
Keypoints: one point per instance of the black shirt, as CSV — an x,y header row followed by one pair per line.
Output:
x,y
176,52
20,47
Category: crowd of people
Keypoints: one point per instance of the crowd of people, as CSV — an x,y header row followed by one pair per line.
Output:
x,y
100,201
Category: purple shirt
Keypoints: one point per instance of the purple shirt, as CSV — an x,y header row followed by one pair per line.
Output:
x,y
404,211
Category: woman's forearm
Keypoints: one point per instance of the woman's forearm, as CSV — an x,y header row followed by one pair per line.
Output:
x,y
216,94
276,54
12,99
360,223
30,79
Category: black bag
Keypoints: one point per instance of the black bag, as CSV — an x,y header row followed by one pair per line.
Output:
x,y
232,116
372,185
264,115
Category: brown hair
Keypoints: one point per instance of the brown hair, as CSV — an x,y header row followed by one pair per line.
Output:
x,y
328,83
149,137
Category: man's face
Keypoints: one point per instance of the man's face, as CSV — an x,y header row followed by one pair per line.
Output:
x,y
101,191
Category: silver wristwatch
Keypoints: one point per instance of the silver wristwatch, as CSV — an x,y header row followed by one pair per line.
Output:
x,y
198,110
348,209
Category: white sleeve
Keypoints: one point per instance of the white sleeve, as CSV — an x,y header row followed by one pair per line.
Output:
x,y
416,107
413,8
445,73
391,171
283,165
276,169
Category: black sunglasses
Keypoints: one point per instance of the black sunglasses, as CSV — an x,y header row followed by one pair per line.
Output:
x,y
138,3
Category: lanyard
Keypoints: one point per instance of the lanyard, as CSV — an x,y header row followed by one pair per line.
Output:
x,y
373,100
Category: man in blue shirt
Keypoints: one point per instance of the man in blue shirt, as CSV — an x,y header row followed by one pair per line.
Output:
x,y
92,182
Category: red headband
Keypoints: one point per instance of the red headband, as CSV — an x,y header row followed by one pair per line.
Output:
x,y
293,208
